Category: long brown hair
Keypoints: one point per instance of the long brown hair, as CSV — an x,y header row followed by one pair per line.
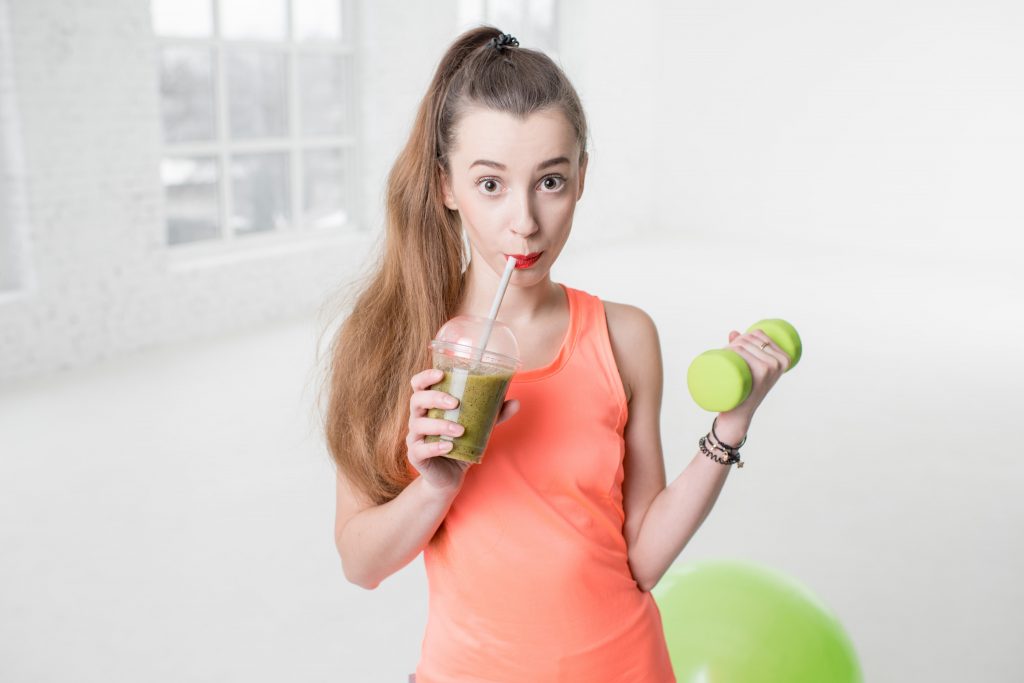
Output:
x,y
419,278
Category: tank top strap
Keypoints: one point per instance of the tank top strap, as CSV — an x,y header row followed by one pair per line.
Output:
x,y
593,346
577,315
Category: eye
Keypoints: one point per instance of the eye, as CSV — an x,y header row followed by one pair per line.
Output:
x,y
488,184
559,182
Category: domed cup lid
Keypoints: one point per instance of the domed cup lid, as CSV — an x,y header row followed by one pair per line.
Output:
x,y
461,337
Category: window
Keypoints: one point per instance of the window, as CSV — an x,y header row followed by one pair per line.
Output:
x,y
533,22
257,111
15,275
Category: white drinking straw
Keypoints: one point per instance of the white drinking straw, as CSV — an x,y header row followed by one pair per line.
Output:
x,y
510,265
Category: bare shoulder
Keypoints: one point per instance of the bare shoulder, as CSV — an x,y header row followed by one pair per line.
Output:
x,y
634,338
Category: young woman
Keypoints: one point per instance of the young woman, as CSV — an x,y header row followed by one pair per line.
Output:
x,y
540,559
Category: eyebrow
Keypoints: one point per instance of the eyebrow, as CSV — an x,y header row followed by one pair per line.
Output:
x,y
502,167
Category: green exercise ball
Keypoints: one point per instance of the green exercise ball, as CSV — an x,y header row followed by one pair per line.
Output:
x,y
734,622
719,379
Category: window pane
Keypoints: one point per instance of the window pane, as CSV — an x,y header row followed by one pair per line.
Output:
x,y
260,188
257,93
192,198
324,84
253,19
327,183
317,19
186,94
186,18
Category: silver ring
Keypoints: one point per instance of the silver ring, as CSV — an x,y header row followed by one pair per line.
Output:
x,y
764,345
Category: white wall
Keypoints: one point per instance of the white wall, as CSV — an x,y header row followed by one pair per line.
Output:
x,y
611,54
895,124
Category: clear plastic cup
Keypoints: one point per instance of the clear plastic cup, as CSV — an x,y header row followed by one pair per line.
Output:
x,y
479,378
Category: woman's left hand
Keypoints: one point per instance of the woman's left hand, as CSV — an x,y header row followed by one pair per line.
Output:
x,y
766,366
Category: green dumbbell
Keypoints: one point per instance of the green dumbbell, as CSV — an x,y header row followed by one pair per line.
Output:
x,y
719,379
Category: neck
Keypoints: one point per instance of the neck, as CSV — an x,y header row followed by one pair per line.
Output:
x,y
520,305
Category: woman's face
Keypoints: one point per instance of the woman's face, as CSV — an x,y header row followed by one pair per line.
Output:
x,y
515,185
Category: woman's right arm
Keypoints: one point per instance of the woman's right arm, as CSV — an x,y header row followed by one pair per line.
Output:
x,y
375,541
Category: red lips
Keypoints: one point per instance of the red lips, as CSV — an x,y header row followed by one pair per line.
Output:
x,y
525,260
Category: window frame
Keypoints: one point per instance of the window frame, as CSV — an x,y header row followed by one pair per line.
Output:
x,y
294,143
17,275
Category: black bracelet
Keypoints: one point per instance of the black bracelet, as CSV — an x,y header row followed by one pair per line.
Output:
x,y
731,449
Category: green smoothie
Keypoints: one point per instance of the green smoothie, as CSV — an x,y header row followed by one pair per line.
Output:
x,y
478,410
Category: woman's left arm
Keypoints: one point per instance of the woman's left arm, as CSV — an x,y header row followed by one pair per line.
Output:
x,y
661,520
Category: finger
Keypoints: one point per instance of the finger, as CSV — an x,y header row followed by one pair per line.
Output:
x,y
754,343
426,379
425,399
760,338
422,450
772,349
429,426
762,358
766,359
750,353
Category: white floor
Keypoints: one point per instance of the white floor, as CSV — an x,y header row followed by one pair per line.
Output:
x,y
168,516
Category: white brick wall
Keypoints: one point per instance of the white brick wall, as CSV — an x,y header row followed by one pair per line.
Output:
x,y
87,98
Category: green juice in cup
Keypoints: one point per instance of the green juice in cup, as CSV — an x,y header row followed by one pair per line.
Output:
x,y
479,378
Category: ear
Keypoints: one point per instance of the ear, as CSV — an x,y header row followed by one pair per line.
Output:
x,y
583,174
446,190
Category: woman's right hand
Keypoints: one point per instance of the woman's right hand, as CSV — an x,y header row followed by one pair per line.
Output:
x,y
445,475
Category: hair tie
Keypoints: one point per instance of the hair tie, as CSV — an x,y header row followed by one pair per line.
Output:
x,y
501,42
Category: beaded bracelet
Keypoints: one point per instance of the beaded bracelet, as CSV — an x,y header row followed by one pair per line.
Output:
x,y
731,460
722,448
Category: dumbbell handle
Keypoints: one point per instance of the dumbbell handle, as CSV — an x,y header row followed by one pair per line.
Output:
x,y
719,379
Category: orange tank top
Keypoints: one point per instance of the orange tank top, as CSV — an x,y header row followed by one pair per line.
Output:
x,y
528,574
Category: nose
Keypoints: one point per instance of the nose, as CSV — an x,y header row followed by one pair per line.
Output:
x,y
524,223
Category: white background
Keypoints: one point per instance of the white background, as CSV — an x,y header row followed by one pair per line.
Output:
x,y
166,502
